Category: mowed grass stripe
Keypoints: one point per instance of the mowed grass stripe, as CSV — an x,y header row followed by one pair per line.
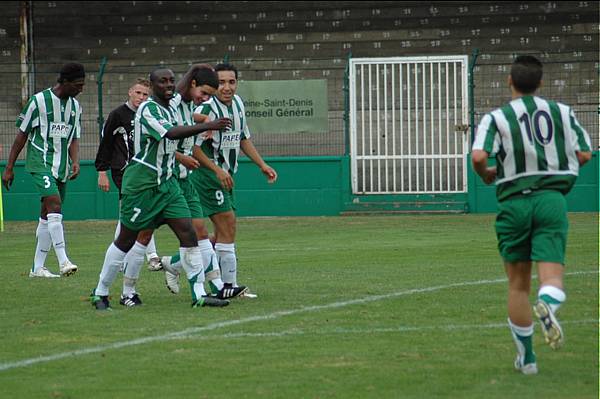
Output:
x,y
399,329
275,315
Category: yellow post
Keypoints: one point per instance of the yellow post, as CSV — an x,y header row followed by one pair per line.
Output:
x,y
1,211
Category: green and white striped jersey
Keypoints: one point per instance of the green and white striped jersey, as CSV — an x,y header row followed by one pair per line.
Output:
x,y
535,142
185,115
224,146
51,124
153,163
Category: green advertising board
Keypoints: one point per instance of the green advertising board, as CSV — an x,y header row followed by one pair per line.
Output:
x,y
285,106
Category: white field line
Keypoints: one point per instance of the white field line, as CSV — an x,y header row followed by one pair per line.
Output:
x,y
399,329
275,315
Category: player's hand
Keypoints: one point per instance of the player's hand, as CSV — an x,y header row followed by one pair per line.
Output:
x,y
270,173
74,171
219,124
190,163
490,175
225,179
7,178
103,183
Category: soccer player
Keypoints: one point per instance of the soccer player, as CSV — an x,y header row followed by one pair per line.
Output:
x,y
151,196
114,153
539,147
223,149
116,149
50,124
198,84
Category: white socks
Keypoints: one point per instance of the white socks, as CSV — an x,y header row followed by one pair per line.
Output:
x,y
133,264
55,228
113,261
522,336
228,262
212,271
118,229
191,259
44,243
553,296
151,249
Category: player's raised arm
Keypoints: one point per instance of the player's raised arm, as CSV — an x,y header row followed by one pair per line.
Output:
x,y
182,132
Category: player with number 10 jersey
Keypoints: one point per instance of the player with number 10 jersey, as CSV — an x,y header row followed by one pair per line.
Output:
x,y
535,141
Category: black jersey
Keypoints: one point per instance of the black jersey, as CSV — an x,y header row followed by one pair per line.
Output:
x,y
116,145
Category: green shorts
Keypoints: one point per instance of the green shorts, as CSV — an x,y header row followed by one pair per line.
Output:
x,y
533,227
213,197
192,198
47,185
149,208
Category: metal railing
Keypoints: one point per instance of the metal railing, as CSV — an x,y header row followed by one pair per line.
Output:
x,y
569,79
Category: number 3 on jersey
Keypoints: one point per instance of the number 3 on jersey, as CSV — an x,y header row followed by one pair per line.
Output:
x,y
46,181
219,196
543,131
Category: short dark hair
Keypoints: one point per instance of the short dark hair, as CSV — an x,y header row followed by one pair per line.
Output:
x,y
71,72
154,73
203,74
526,74
226,67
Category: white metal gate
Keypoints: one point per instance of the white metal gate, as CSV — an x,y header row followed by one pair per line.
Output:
x,y
408,118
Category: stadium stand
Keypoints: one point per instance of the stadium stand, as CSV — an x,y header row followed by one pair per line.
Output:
x,y
299,40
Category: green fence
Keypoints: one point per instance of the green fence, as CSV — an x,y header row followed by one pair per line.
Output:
x,y
307,186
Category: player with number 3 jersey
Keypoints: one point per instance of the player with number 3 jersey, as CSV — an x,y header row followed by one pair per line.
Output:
x,y
50,124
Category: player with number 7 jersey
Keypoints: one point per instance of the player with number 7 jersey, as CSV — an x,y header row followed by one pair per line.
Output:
x,y
153,163
151,197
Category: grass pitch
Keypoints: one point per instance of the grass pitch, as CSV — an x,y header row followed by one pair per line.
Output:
x,y
348,307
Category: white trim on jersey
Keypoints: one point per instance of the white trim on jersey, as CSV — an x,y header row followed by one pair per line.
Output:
x,y
157,127
37,148
586,137
145,163
43,115
509,163
28,115
77,122
551,151
531,158
237,100
538,173
481,134
56,140
571,142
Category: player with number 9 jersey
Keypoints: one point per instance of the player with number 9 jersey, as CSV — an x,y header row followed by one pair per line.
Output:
x,y
222,148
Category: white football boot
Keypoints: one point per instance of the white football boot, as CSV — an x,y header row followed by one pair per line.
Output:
x,y
43,272
67,269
